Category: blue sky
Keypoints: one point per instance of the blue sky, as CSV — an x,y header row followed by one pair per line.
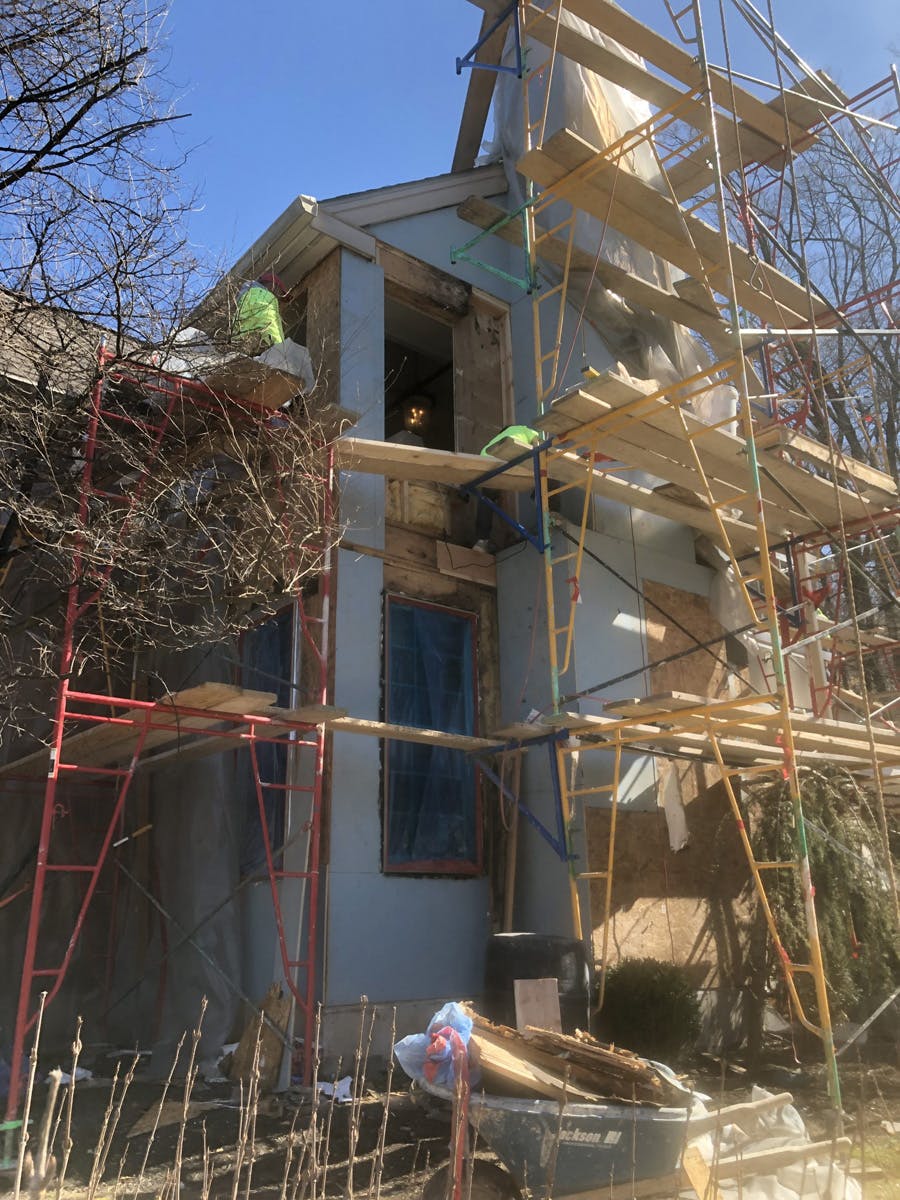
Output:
x,y
323,98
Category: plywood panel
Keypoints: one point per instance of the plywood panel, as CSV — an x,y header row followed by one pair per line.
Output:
x,y
323,324
691,906
479,344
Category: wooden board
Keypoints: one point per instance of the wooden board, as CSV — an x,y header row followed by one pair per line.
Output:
x,y
170,1112
875,484
741,146
270,1033
497,1060
479,400
323,324
679,305
421,286
626,284
464,562
244,378
615,194
665,703
806,502
396,461
739,143
681,64
653,439
625,72
757,719
408,733
739,746
537,1004
106,744
612,487
479,93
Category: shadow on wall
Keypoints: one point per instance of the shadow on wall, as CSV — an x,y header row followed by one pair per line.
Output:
x,y
694,906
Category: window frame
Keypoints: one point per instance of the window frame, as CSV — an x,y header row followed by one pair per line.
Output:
x,y
452,868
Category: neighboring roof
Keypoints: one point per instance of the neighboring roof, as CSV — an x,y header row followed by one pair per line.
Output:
x,y
40,340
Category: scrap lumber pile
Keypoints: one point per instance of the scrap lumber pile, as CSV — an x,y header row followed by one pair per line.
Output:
x,y
537,1062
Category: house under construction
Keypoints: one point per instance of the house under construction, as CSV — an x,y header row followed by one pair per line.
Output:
x,y
521,689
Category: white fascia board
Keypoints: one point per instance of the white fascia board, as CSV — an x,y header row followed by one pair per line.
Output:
x,y
302,228
421,196
296,216
347,235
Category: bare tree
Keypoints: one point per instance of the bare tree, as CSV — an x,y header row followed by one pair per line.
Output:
x,y
837,222
183,516
91,205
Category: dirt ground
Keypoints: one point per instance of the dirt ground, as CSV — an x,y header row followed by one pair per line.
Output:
x,y
416,1137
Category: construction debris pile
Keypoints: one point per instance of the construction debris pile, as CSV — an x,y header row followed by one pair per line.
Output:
x,y
540,1063
534,1063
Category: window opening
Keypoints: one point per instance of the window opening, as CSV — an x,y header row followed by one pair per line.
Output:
x,y
266,666
418,387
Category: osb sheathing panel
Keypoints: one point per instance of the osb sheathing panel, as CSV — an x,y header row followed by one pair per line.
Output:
x,y
689,907
701,673
323,324
692,906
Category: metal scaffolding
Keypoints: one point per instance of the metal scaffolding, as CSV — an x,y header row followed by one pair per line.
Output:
x,y
100,741
767,481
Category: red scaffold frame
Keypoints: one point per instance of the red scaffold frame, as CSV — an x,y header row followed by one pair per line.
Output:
x,y
242,730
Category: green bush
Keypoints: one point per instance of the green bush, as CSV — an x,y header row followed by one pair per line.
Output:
x,y
848,866
650,1007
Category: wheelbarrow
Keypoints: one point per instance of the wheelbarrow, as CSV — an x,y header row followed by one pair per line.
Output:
x,y
616,1151
563,1151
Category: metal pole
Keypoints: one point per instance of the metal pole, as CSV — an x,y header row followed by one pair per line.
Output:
x,y
778,661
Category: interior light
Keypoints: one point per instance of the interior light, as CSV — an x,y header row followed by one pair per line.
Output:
x,y
417,413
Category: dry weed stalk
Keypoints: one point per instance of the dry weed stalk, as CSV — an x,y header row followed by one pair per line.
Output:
x,y
159,1110
247,1120
329,1121
308,1157
69,1103
360,1065
29,1093
378,1161
189,1080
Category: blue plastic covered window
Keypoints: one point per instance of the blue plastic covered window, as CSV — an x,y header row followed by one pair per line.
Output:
x,y
432,818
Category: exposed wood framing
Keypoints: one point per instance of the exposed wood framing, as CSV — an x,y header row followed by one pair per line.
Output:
x,y
421,286
480,406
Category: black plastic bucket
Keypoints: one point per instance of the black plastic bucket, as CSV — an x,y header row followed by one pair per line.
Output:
x,y
512,956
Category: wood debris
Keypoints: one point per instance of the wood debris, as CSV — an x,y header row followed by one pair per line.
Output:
x,y
556,1065
270,1032
171,1112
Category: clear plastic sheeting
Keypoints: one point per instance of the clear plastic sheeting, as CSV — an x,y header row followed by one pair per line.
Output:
x,y
600,112
808,1178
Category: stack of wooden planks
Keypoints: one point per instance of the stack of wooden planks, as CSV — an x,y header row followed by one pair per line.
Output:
x,y
556,1066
